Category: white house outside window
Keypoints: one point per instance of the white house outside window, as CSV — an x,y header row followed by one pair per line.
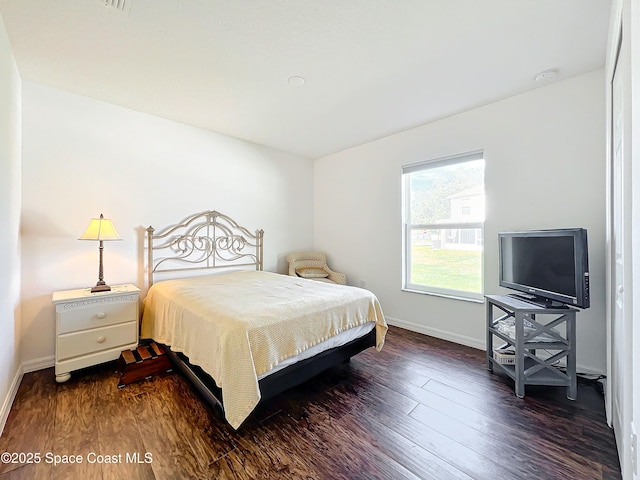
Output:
x,y
443,218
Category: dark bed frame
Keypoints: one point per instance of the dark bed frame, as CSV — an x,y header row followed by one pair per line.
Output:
x,y
210,240
277,382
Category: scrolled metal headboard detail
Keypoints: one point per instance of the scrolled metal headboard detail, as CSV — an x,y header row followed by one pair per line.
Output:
x,y
205,240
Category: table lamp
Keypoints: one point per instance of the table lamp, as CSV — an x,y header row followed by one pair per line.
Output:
x,y
100,229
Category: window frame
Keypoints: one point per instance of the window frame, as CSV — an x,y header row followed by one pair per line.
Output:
x,y
408,227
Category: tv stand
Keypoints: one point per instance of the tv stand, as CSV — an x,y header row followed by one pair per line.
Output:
x,y
536,300
527,368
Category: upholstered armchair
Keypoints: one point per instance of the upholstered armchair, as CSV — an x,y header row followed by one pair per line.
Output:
x,y
313,265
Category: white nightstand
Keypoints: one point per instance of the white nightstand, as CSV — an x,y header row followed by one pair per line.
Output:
x,y
93,328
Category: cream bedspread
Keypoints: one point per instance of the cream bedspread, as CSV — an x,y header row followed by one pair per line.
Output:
x,y
239,325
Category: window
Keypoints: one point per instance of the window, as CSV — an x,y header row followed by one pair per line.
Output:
x,y
443,218
466,206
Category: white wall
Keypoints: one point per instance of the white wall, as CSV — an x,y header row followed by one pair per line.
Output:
x,y
10,187
82,157
545,168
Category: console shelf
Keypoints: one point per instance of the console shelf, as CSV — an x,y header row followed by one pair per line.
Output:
x,y
535,328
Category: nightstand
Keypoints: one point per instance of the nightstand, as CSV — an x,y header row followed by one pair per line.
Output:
x,y
93,328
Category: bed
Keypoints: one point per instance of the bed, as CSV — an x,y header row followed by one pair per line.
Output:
x,y
239,334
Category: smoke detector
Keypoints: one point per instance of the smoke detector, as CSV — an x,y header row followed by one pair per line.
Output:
x,y
546,76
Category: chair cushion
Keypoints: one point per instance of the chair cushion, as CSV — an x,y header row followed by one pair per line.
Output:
x,y
310,272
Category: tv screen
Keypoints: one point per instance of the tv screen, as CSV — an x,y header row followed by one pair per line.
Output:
x,y
549,266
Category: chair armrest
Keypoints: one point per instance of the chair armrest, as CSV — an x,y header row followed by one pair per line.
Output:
x,y
292,266
339,278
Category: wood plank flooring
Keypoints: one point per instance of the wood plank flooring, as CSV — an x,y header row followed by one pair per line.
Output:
x,y
422,408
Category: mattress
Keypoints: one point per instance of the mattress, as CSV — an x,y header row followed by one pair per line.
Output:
x,y
339,340
241,326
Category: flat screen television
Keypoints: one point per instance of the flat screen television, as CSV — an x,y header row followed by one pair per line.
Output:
x,y
550,267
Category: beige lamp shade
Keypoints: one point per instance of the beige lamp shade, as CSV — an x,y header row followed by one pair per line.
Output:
x,y
100,229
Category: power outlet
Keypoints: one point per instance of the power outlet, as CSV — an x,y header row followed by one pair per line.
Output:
x,y
363,283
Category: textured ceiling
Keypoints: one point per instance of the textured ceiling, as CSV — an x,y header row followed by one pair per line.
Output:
x,y
372,67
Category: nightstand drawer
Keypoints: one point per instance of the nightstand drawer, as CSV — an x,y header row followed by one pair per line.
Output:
x,y
99,315
90,341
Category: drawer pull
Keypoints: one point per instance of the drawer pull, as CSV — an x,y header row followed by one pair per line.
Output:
x,y
101,315
101,339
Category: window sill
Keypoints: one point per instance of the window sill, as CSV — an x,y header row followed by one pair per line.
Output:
x,y
445,295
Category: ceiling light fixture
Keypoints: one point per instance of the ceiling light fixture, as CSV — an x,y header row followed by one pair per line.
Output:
x,y
296,80
546,76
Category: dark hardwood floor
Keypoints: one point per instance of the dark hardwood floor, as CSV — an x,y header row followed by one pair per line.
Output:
x,y
423,408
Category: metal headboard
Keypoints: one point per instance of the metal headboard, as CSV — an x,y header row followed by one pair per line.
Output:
x,y
203,241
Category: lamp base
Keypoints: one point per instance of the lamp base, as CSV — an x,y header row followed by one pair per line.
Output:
x,y
100,288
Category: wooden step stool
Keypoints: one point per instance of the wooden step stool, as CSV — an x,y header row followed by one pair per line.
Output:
x,y
143,362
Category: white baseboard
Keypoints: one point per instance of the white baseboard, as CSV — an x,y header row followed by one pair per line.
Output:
x,y
25,367
38,364
434,332
464,340
8,401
